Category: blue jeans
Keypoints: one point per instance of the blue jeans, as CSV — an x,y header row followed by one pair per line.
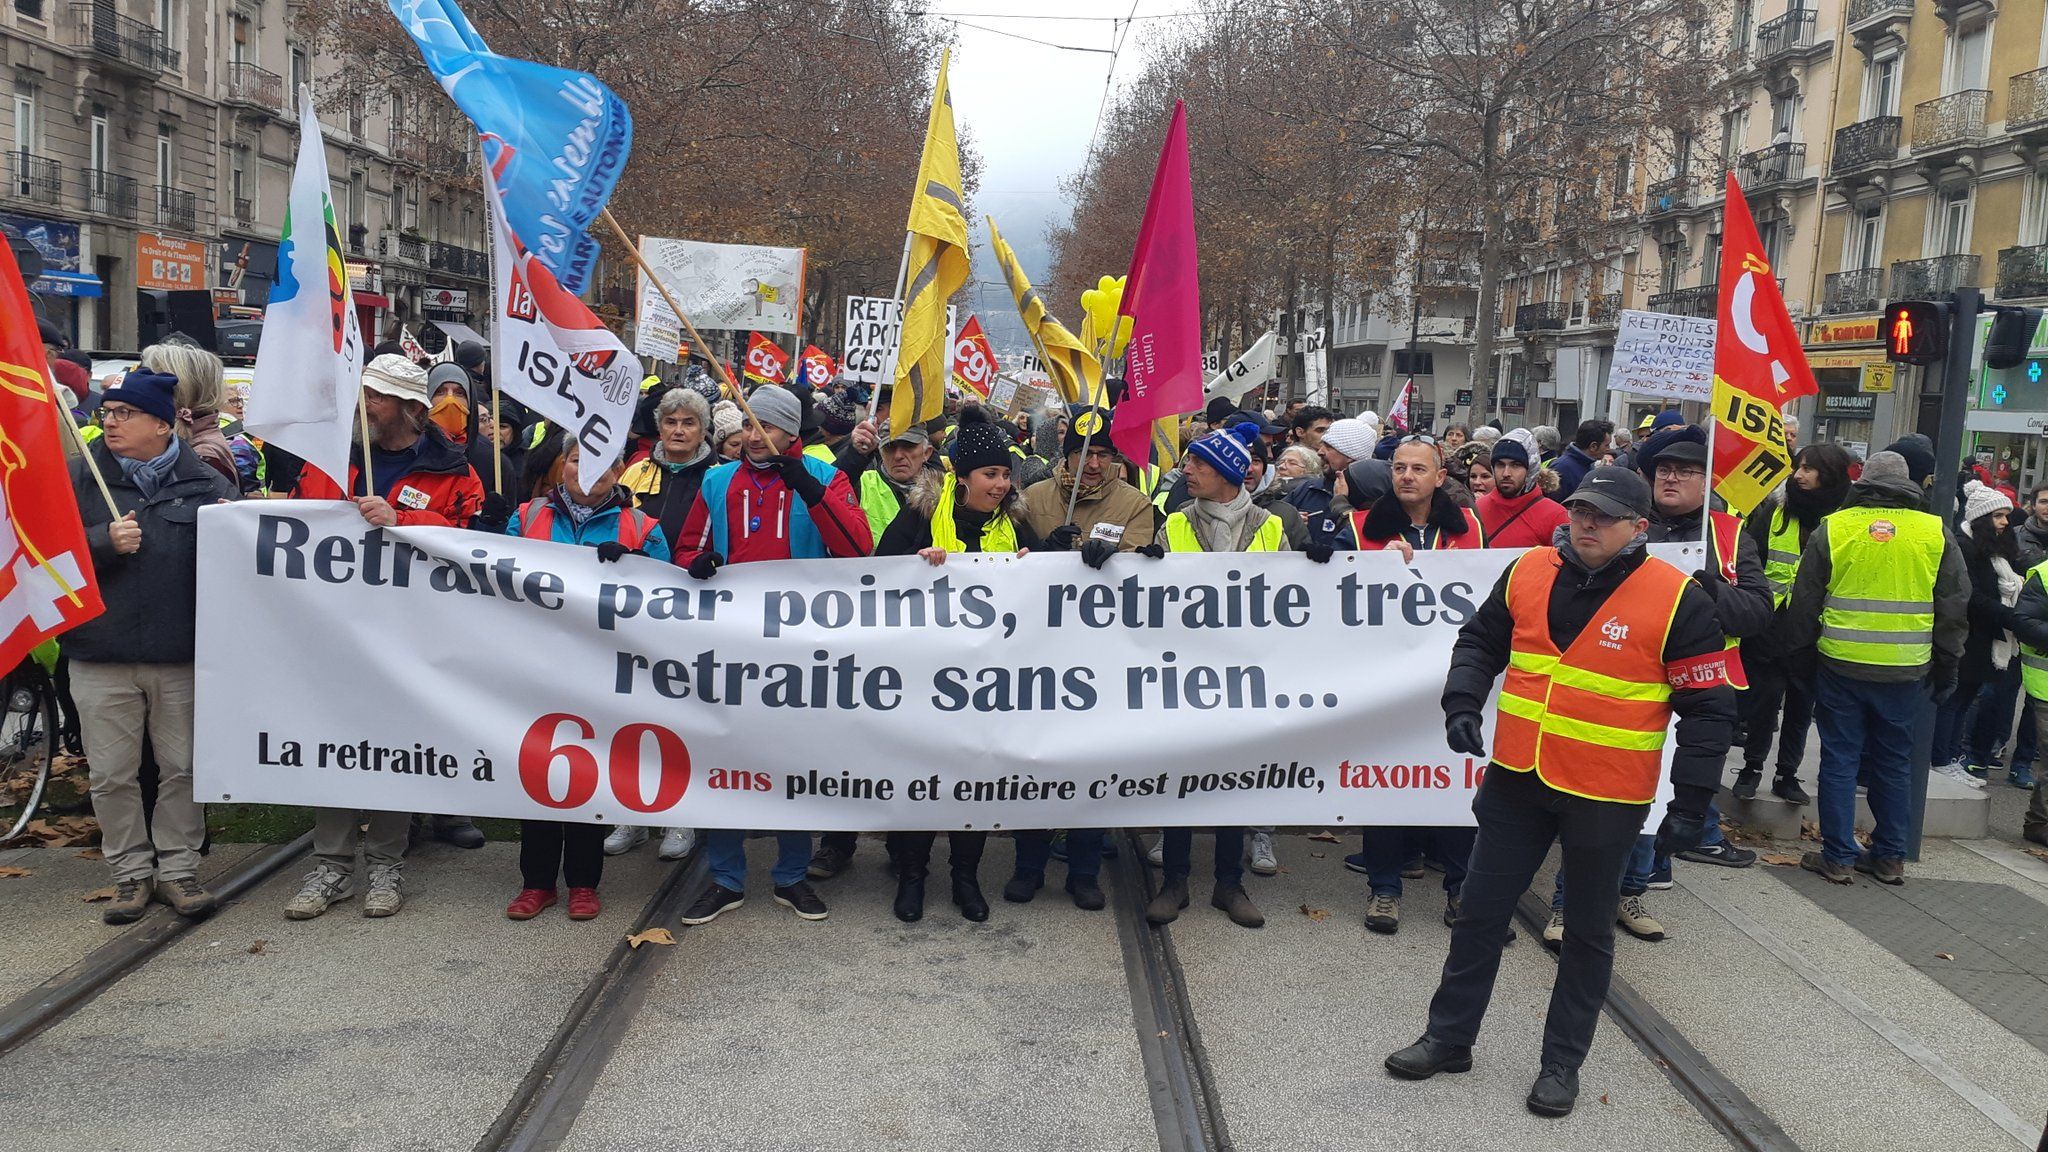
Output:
x,y
1865,727
1084,851
1992,722
1949,723
726,848
1635,878
1179,847
1386,847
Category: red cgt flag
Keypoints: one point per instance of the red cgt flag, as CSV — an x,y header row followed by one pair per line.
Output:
x,y
46,579
766,361
1759,365
974,362
820,369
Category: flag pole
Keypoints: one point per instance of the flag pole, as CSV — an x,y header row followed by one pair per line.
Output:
x,y
1088,435
84,449
896,350
633,250
363,422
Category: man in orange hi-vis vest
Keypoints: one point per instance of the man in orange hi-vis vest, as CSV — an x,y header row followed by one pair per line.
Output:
x,y
1602,644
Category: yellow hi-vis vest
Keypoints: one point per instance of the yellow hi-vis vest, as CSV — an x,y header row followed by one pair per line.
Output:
x,y
1781,556
1880,605
2033,661
878,500
821,452
1180,535
998,535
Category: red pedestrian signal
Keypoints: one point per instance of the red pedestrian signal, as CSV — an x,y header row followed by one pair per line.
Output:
x,y
1916,332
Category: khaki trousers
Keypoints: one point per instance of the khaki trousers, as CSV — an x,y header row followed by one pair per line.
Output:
x,y
118,705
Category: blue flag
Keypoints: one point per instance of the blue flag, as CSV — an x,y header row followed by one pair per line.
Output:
x,y
556,138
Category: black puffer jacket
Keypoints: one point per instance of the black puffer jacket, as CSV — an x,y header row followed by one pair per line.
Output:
x,y
1706,717
152,595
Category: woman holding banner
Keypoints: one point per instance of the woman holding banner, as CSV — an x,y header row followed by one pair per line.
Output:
x,y
976,509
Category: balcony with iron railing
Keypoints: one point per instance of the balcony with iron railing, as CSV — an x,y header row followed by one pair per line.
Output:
x,y
122,41
1668,195
401,246
1874,15
1864,143
177,208
245,212
1934,277
110,193
34,178
1776,164
408,147
1952,121
1696,301
2026,102
256,87
458,260
1861,290
1543,316
1785,36
2023,271
1450,273
1604,308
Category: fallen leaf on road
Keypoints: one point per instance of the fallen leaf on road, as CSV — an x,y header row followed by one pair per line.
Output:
x,y
90,854
1944,955
1809,829
651,936
1603,1097
256,947
2038,853
11,870
1316,914
1319,855
1325,837
1781,859
97,895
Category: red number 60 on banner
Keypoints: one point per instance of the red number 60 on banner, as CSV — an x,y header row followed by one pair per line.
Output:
x,y
538,752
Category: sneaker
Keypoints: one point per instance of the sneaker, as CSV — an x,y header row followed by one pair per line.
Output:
x,y
1786,787
461,831
1660,876
1883,869
2020,778
827,862
1553,932
1264,862
624,839
327,885
584,904
386,892
1955,771
801,899
185,896
677,843
1236,904
530,902
1356,863
1747,780
1725,854
716,899
1156,855
1829,870
131,900
1383,914
1634,918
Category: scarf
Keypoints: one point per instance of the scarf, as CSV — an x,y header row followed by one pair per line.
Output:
x,y
579,514
2009,582
152,474
660,455
1065,480
1226,526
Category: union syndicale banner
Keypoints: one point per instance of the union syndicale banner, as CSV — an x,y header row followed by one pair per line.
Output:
x,y
497,676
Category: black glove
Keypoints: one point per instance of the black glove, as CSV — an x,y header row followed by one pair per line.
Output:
x,y
799,478
1944,684
1114,387
706,564
1465,732
1155,550
610,551
1062,538
1096,553
1318,551
1710,582
494,515
1681,829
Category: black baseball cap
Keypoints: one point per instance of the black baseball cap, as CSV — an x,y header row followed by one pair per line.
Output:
x,y
1616,491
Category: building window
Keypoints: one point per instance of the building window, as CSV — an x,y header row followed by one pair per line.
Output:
x,y
1770,232
1710,267
1950,231
1784,119
1407,363
299,77
33,9
166,158
1668,257
2034,211
1881,88
1866,239
26,136
1963,65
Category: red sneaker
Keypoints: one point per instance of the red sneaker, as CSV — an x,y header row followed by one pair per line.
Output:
x,y
530,903
583,904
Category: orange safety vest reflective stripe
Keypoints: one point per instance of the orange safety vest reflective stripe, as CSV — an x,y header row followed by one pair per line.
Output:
x,y
537,522
1727,542
1590,720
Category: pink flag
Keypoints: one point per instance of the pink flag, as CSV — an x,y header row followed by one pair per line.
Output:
x,y
1163,367
1399,415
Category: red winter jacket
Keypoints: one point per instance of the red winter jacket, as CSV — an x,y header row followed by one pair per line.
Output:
x,y
1525,521
441,490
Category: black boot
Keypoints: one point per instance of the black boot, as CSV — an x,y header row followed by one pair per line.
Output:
x,y
1087,893
1555,1091
1023,886
909,892
1786,787
1747,780
967,894
1427,1057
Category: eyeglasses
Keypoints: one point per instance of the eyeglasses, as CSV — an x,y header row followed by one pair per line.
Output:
x,y
1418,438
116,415
1681,471
1586,514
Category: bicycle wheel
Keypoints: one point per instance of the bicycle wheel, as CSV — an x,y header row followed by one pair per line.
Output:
x,y
28,744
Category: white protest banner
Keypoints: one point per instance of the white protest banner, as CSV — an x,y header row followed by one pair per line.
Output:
x,y
1315,367
498,676
1656,354
729,287
1246,372
873,324
657,334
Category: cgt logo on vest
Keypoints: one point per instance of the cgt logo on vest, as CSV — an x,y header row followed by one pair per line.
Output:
x,y
1883,530
1614,631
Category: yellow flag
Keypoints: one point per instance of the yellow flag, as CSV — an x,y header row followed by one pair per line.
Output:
x,y
936,269
1068,361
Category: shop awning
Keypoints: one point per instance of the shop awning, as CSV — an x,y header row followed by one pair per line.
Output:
x,y
1847,359
371,300
67,284
460,333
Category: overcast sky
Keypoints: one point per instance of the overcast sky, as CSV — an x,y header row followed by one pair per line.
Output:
x,y
1030,109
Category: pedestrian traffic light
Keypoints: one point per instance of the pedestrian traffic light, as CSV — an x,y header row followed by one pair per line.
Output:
x,y
2011,336
1916,332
